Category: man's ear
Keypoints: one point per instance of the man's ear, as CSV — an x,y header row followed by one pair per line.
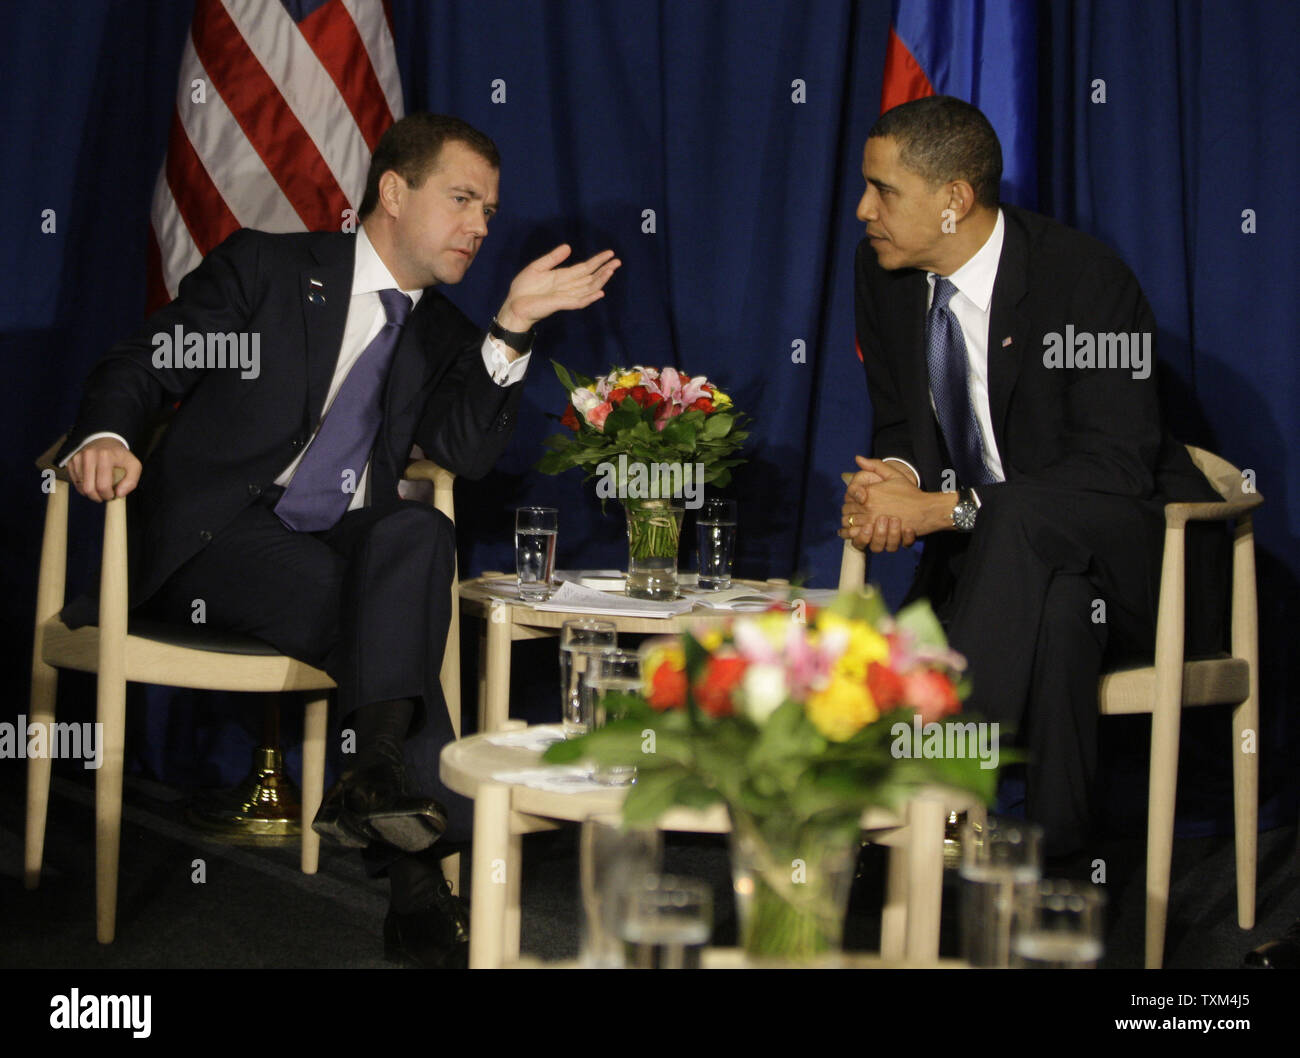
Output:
x,y
392,192
961,198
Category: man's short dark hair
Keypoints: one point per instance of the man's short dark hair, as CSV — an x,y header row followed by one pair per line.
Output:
x,y
942,138
410,148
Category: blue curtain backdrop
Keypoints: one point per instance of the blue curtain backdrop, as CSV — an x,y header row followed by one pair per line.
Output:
x,y
689,109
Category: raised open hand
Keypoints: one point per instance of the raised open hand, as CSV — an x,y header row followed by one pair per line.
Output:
x,y
543,288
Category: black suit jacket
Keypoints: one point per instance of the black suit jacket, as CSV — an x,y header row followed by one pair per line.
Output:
x,y
1093,429
231,436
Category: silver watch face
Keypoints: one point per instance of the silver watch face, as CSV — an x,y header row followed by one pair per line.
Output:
x,y
963,515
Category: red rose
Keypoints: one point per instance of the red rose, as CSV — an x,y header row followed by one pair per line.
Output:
x,y
885,685
667,688
616,395
932,693
703,404
570,419
713,692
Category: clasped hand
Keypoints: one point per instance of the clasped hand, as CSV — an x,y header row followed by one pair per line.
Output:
x,y
885,509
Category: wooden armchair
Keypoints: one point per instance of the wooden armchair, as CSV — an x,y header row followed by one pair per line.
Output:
x,y
1172,683
119,650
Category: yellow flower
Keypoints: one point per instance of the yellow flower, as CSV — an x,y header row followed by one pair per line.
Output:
x,y
628,379
720,399
711,639
863,644
842,709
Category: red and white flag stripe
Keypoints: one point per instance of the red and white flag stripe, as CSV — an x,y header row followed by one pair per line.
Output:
x,y
275,121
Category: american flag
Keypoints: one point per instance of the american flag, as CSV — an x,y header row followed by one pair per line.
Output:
x,y
279,105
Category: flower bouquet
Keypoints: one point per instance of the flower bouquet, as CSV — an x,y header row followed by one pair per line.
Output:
x,y
797,726
651,436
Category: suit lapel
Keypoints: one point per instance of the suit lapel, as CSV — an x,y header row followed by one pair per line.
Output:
x,y
326,291
1008,327
915,380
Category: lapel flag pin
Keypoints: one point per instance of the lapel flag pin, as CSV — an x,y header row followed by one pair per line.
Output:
x,y
314,295
1006,341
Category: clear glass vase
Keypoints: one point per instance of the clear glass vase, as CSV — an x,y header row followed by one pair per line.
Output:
x,y
792,888
654,529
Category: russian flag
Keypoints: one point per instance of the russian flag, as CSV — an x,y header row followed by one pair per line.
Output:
x,y
982,51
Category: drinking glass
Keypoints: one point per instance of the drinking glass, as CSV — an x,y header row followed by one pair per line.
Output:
x,y
614,859
715,530
1058,926
609,671
667,924
535,532
1001,858
580,641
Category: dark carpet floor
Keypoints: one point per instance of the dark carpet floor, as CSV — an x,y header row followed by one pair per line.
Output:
x,y
187,901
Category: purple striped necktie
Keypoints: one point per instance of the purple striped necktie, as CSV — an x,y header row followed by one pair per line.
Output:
x,y
318,494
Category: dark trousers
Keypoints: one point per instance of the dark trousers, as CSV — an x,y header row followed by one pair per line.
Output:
x,y
1052,586
368,601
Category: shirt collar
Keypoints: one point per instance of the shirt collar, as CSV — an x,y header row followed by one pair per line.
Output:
x,y
370,275
976,277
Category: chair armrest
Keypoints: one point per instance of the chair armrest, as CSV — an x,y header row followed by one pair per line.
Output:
x,y
428,470
45,461
1179,514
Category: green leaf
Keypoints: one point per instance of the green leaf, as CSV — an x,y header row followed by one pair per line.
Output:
x,y
562,373
716,426
919,620
652,795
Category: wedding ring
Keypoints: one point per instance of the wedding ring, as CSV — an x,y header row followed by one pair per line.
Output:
x,y
850,521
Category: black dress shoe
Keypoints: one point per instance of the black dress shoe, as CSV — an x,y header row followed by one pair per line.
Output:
x,y
1280,954
370,805
434,938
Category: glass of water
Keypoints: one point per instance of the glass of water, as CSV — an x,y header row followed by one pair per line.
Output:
x,y
614,860
580,642
1058,926
715,530
608,672
667,924
535,531
1001,859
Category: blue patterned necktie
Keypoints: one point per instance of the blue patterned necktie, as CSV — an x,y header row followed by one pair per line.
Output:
x,y
315,498
945,358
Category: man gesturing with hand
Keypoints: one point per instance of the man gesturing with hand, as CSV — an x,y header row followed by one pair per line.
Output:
x,y
272,495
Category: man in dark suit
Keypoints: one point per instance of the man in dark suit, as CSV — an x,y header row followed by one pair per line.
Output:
x,y
1017,428
305,367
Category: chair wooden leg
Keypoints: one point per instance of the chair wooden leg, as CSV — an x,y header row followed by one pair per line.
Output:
x,y
926,817
108,802
489,906
1245,800
45,686
313,778
1163,786
893,916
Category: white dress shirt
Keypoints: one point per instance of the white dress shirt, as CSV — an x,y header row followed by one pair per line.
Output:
x,y
365,319
971,305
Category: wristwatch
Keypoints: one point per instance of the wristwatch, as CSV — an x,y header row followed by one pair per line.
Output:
x,y
963,515
519,341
